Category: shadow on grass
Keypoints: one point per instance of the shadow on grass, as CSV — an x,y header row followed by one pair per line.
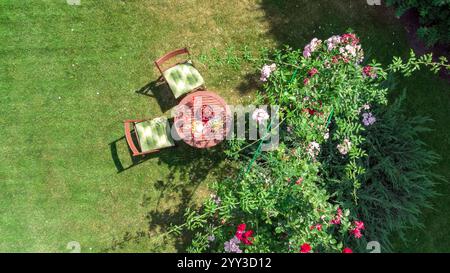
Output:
x,y
160,91
193,167
295,23
189,169
135,160
250,82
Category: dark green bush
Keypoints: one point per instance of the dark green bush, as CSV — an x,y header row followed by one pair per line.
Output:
x,y
434,18
399,180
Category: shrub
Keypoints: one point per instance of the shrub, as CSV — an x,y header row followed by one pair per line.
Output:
x,y
303,196
398,181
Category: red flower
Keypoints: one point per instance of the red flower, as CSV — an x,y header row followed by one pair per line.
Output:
x,y
305,81
244,236
336,221
337,218
316,226
367,70
356,232
335,59
359,224
313,72
241,227
347,250
305,248
311,111
299,181
350,38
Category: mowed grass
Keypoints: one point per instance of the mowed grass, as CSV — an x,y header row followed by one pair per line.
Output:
x,y
68,80
68,76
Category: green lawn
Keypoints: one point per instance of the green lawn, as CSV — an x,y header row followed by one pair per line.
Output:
x,y
69,76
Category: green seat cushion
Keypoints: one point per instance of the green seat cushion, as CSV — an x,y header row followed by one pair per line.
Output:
x,y
183,78
154,134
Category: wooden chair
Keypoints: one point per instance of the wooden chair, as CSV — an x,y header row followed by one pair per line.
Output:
x,y
182,77
151,135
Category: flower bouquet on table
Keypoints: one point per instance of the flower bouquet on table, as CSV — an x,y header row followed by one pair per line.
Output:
x,y
215,124
197,128
207,113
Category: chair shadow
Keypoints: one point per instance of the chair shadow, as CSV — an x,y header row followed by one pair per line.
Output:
x,y
160,91
135,160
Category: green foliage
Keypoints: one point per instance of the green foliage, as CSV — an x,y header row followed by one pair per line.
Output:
x,y
399,180
434,18
327,165
414,64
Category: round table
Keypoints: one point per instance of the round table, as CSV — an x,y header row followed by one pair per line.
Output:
x,y
202,119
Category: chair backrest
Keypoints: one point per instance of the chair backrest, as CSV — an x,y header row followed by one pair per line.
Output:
x,y
129,125
159,62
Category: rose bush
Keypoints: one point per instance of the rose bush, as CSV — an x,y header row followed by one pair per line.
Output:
x,y
302,196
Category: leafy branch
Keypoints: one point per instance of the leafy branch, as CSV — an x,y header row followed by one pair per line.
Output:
x,y
415,63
